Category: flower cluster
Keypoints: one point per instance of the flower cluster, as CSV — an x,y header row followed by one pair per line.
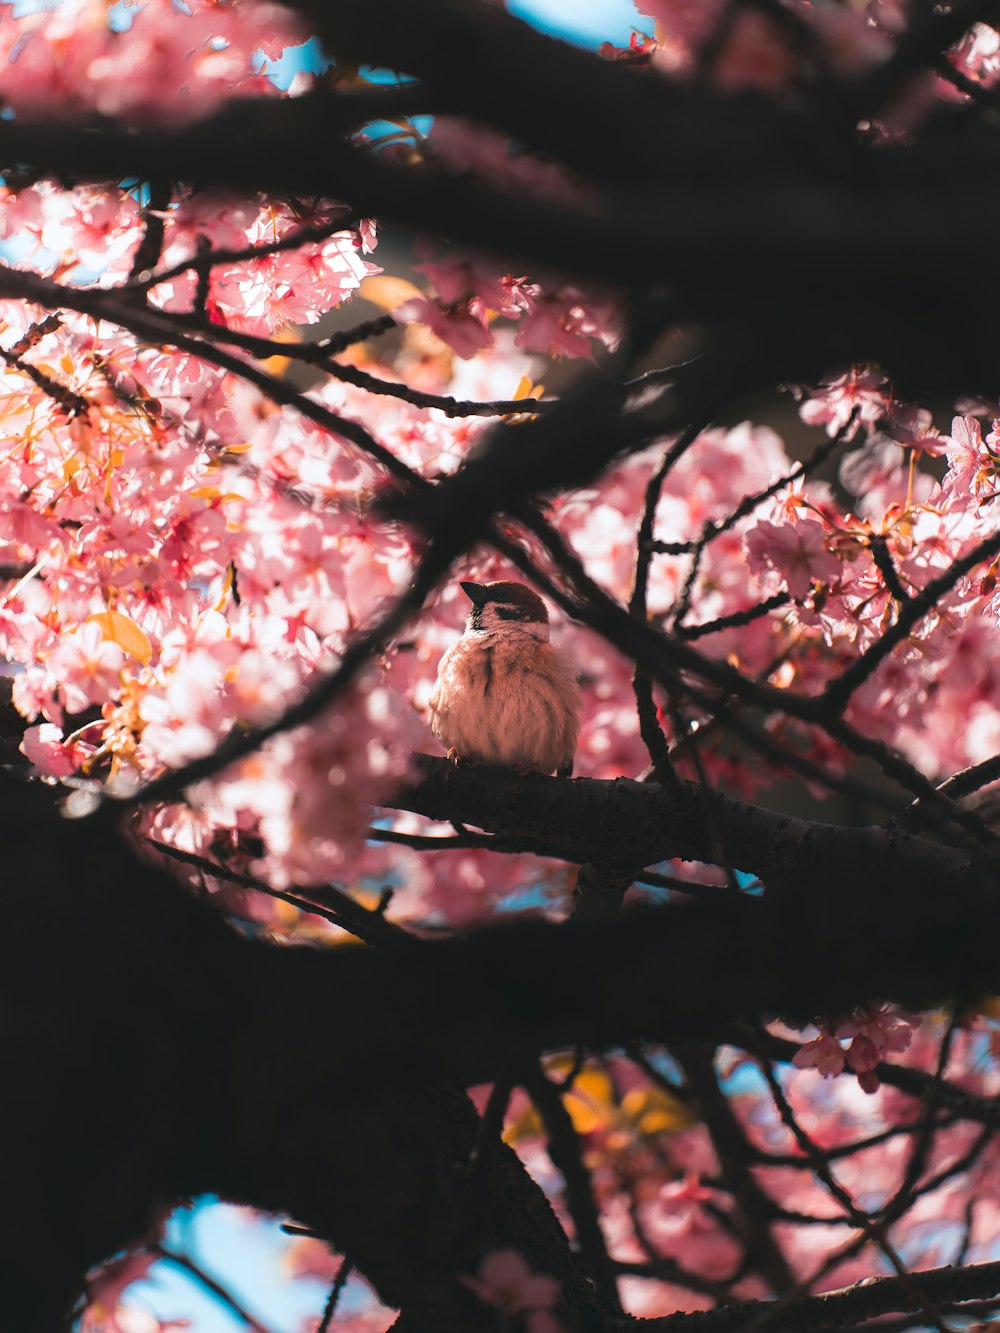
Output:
x,y
73,58
873,1034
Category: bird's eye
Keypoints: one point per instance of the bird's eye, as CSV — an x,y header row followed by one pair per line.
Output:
x,y
510,613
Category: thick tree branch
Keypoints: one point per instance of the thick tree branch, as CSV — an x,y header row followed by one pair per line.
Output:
x,y
110,974
848,1306
848,229
251,1027
632,823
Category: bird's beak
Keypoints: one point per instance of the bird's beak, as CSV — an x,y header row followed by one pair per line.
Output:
x,y
476,593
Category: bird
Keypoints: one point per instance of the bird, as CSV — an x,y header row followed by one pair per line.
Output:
x,y
505,695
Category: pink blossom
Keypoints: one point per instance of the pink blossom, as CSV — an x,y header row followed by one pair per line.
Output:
x,y
71,59
101,225
798,552
89,667
505,1280
972,464
559,322
833,404
477,148
464,333
913,426
552,326
688,20
755,55
679,1223
883,1031
824,1053
462,279
977,55
853,42
45,747
873,1033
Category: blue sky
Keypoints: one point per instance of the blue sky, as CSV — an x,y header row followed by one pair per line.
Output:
x,y
588,22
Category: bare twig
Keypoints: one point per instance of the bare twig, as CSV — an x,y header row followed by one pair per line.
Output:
x,y
372,927
210,1284
567,1157
339,1283
837,694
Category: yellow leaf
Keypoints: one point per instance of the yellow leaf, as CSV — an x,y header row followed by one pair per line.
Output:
x,y
286,915
386,292
654,1111
227,586
205,493
525,1126
67,363
120,629
526,391
590,1101
239,448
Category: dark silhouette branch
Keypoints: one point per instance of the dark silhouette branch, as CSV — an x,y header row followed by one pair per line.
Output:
x,y
849,1306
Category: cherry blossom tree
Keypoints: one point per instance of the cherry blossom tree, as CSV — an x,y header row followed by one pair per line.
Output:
x,y
687,337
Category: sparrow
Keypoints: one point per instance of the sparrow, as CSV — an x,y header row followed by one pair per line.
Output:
x,y
504,694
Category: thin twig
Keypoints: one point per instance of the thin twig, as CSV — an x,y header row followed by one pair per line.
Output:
x,y
371,927
916,1083
264,348
735,619
68,401
838,692
490,1127
971,779
141,279
923,1138
567,1157
747,505
846,1307
160,328
820,1167
880,554
339,1283
147,252
210,1284
649,724
677,885
910,778
428,842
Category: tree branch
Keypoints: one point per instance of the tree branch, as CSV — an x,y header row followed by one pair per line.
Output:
x,y
847,1306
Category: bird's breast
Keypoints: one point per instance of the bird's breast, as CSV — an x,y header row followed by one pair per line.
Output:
x,y
510,703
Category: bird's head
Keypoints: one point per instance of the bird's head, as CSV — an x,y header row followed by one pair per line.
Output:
x,y
506,608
